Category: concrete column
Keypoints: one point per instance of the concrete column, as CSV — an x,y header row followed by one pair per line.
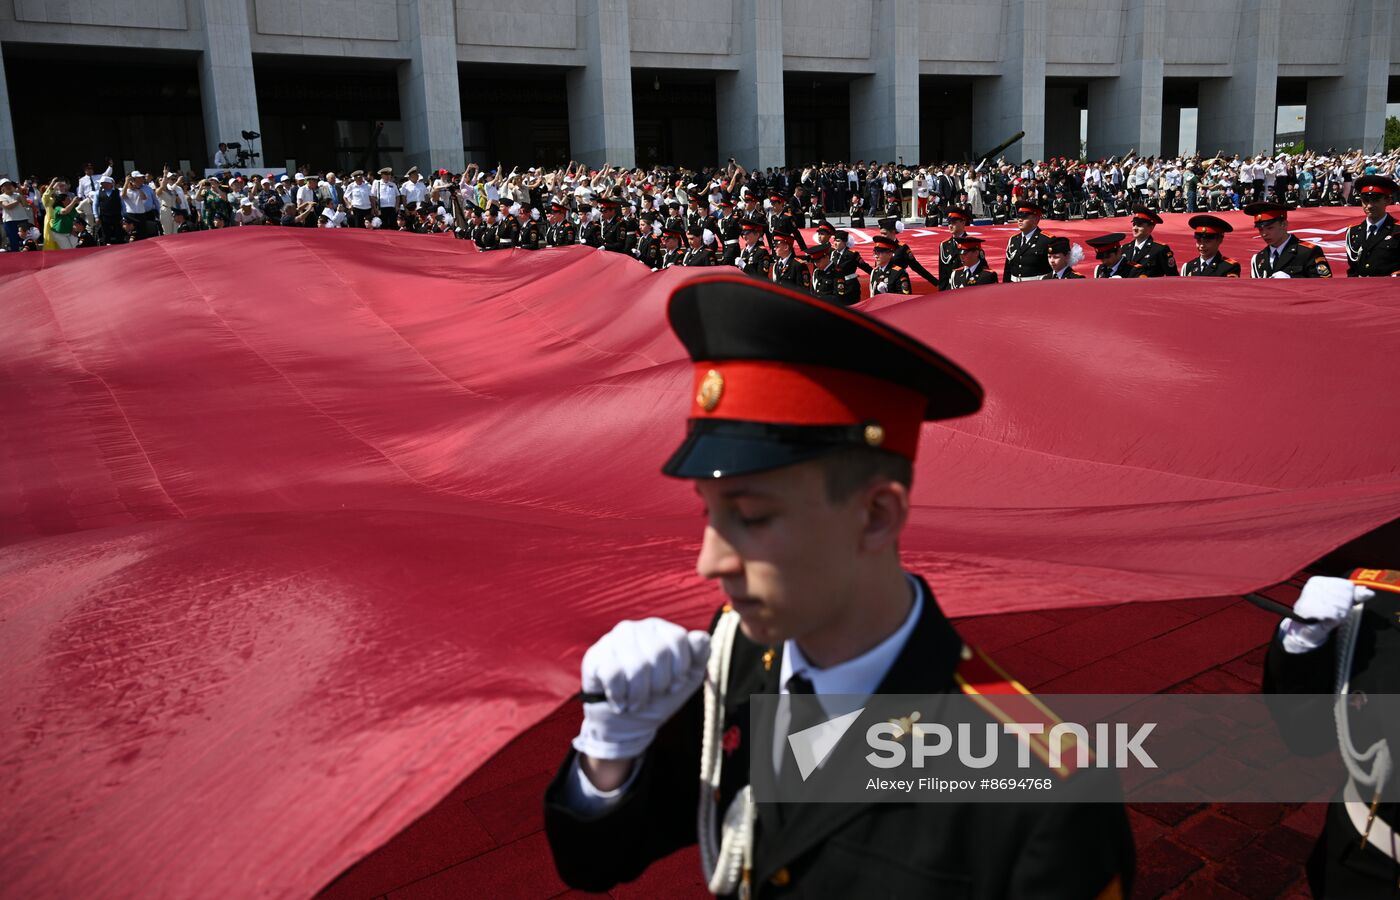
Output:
x,y
750,101
1061,122
226,87
885,105
1015,100
600,93
9,158
1350,111
1238,114
1125,113
430,101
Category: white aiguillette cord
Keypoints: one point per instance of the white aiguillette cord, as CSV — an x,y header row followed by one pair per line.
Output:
x,y
727,867
1378,754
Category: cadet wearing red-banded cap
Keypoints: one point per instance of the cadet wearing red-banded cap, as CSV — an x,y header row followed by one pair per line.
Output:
x,y
825,279
973,270
754,258
1373,244
1209,232
788,269
1284,256
781,219
803,424
948,257
1108,249
887,276
1027,251
1155,257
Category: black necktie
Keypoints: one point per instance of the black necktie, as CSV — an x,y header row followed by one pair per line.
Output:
x,y
802,714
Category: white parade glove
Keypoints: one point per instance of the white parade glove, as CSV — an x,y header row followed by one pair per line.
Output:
x,y
1328,600
647,670
1280,275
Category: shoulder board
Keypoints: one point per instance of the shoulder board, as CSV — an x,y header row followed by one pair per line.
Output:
x,y
1007,700
1380,579
897,268
1233,262
1307,244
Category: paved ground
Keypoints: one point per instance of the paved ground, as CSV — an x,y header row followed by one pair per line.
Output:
x,y
485,839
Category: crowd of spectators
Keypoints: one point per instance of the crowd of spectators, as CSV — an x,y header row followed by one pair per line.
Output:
x,y
99,207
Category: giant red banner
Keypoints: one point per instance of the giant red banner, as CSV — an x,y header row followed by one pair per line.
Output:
x,y
300,527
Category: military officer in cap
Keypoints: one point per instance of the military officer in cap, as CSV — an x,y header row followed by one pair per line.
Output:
x,y
1112,262
781,219
386,195
973,270
487,235
805,500
672,254
949,257
1373,245
359,196
1210,233
1342,647
611,234
728,228
1155,257
1284,256
561,232
824,275
697,254
1062,260
1026,251
846,260
754,258
788,269
903,256
647,247
888,276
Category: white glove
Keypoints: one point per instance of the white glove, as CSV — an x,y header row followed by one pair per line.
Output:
x,y
1326,599
1280,275
647,670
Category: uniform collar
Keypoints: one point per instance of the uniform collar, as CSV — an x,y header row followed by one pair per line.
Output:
x,y
863,674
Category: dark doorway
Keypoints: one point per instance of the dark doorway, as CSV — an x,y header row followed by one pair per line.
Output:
x,y
1065,102
514,115
674,117
945,118
817,113
1181,104
329,114
72,105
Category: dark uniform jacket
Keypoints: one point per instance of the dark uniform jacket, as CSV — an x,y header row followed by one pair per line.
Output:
x,y
1298,259
561,235
727,229
949,261
1069,275
1339,867
1374,256
755,261
591,233
792,272
784,221
671,258
1026,258
1125,269
914,850
824,282
529,236
698,256
1218,267
613,235
891,279
845,263
648,250
507,233
962,277
1155,258
487,236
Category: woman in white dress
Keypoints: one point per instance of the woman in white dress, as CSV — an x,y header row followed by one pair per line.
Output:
x,y
972,184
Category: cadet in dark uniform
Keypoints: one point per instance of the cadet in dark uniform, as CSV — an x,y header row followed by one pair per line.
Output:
x,y
973,270
846,261
697,254
487,236
824,277
1155,257
781,219
647,248
86,238
788,270
1284,256
1373,245
673,255
1112,262
507,232
888,276
529,232
1025,252
590,230
1352,619
728,228
949,257
806,519
1058,251
1210,233
560,232
611,234
754,258
674,220
903,256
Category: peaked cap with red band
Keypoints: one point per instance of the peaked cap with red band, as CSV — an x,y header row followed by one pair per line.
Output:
x,y
1375,184
781,378
1143,214
1266,212
1209,225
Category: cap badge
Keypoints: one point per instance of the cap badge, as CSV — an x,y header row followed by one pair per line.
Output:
x,y
711,389
874,435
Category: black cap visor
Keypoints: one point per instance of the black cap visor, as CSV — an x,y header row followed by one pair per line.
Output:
x,y
720,448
